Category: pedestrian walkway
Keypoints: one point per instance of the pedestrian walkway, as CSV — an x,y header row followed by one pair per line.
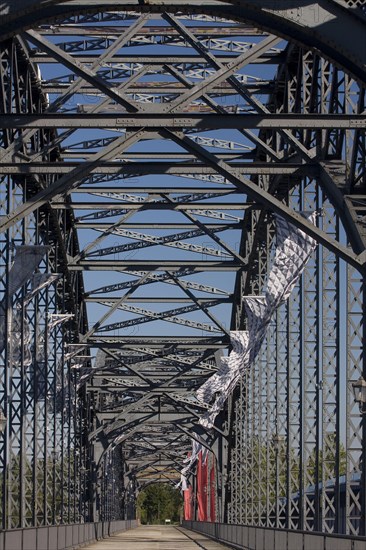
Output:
x,y
157,537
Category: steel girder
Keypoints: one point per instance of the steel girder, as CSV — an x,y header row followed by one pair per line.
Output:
x,y
295,132
329,25
181,120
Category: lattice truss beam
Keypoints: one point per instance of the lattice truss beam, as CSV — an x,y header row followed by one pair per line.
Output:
x,y
115,109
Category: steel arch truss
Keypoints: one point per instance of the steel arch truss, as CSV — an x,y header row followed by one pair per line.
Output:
x,y
148,149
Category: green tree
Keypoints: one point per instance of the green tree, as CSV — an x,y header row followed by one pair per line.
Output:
x,y
328,459
159,502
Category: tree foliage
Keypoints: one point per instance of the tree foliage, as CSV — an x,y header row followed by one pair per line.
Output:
x,y
159,502
327,460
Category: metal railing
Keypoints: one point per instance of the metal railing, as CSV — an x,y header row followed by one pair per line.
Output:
x,y
62,537
260,538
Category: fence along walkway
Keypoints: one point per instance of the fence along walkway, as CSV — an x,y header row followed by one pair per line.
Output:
x,y
157,537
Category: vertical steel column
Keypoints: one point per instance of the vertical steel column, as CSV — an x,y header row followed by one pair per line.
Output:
x,y
332,407
355,448
294,512
310,323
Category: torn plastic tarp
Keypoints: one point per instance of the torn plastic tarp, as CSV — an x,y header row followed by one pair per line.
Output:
x,y
55,319
294,248
27,259
40,281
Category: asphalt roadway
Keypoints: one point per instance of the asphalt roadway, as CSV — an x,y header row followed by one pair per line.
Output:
x,y
156,537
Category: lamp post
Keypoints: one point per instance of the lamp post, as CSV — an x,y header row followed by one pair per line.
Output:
x,y
359,391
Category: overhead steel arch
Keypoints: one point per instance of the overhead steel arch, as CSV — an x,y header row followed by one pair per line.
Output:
x,y
336,28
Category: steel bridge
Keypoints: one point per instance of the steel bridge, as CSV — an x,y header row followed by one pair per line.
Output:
x,y
149,151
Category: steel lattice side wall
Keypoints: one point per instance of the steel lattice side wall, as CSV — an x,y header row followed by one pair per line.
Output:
x,y
40,450
298,460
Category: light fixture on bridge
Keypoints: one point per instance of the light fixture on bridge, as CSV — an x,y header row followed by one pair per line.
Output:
x,y
2,421
359,391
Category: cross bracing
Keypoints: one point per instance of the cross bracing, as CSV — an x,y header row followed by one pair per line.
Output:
x,y
103,107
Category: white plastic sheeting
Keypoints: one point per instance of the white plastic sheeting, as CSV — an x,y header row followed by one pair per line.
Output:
x,y
40,281
88,373
27,259
222,383
58,318
19,351
293,250
197,448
